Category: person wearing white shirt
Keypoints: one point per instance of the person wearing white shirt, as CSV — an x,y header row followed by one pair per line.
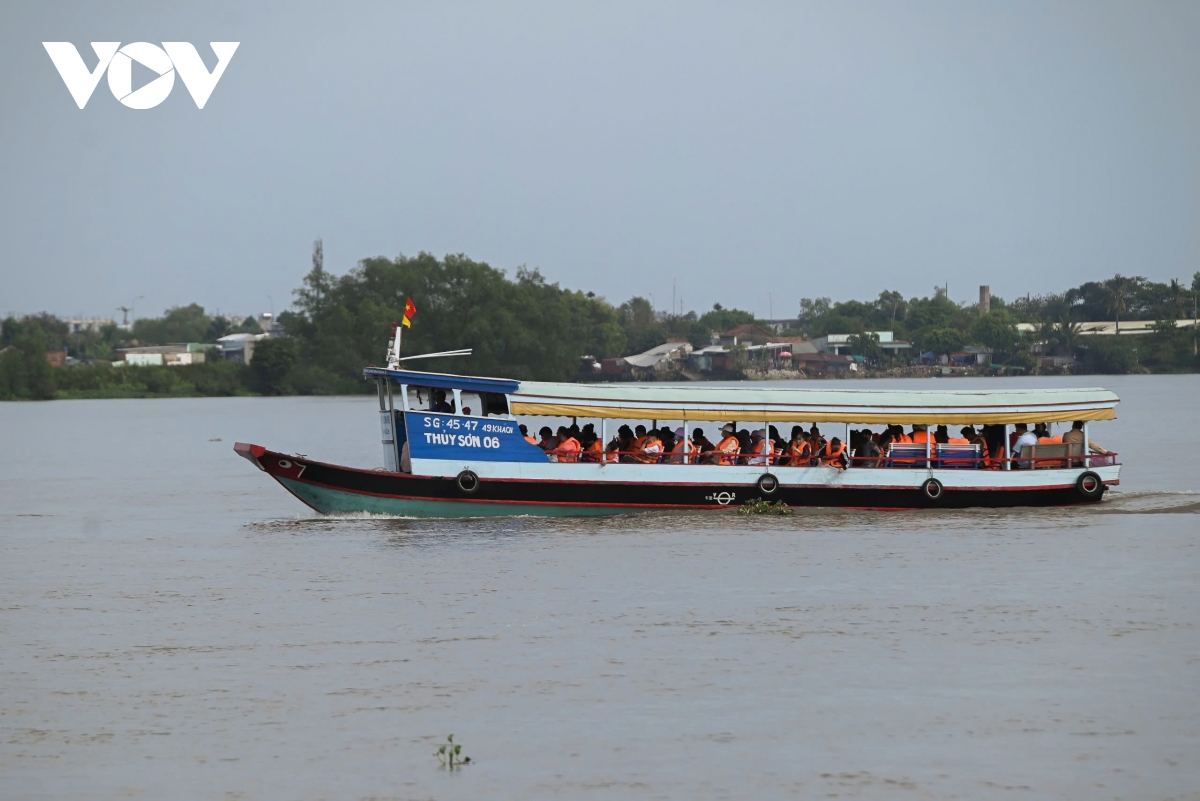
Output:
x,y
1025,438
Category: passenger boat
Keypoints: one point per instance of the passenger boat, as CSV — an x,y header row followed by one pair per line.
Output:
x,y
474,461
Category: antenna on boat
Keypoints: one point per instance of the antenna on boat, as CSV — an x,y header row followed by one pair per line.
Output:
x,y
459,352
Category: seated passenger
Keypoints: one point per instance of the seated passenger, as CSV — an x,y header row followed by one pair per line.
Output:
x,y
437,402
778,446
593,448
798,452
702,443
979,440
867,453
1025,439
1076,435
744,445
900,437
920,434
1044,437
548,443
728,448
683,451
834,454
815,439
760,449
525,433
650,449
941,435
568,447
619,450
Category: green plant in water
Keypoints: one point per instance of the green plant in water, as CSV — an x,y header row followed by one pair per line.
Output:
x,y
450,754
761,506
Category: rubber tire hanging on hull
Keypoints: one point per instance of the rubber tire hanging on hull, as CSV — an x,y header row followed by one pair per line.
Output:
x,y
1089,486
768,484
467,482
933,489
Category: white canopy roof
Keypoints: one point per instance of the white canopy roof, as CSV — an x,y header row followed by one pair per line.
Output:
x,y
754,404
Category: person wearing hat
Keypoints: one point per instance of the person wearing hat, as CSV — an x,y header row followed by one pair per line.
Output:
x,y
728,448
760,449
683,452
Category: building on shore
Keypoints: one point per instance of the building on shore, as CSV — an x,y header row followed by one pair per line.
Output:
x,y
172,355
1105,328
839,344
239,347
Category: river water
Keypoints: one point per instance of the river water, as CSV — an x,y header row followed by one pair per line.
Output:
x,y
175,625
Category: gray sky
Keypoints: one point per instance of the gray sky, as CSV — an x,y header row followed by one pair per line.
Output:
x,y
739,149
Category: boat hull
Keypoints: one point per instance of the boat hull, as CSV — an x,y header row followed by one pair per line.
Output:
x,y
616,489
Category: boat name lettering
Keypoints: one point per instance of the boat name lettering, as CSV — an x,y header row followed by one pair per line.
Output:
x,y
462,440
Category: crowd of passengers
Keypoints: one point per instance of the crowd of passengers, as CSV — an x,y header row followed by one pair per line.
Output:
x,y
809,448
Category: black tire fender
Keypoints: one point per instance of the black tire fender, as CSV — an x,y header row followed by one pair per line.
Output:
x,y
768,484
933,489
467,482
1089,485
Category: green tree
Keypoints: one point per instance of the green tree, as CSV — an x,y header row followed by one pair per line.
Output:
x,y
24,371
942,341
867,345
273,360
997,330
180,324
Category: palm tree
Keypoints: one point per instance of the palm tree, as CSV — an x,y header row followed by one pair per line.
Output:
x,y
1068,330
1119,288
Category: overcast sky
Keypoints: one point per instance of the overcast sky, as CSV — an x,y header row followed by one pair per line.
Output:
x,y
751,153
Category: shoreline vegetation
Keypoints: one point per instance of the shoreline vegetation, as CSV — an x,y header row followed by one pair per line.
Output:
x,y
523,327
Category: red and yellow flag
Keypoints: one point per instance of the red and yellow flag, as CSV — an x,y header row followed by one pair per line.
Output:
x,y
410,309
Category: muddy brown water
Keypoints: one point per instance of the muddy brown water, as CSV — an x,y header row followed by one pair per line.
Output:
x,y
175,625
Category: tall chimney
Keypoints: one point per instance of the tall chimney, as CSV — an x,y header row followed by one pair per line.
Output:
x,y
985,299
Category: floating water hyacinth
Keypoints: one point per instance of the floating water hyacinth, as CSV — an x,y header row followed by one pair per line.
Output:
x,y
450,754
759,506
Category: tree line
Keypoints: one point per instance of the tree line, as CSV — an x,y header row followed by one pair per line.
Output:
x,y
528,328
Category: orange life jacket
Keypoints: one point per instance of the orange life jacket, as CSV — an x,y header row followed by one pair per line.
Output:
x,y
728,450
903,439
799,453
958,441
829,456
762,452
530,440
996,462
679,456
919,437
568,450
593,452
1049,440
649,449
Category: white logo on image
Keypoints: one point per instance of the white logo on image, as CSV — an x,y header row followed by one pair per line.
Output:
x,y
172,57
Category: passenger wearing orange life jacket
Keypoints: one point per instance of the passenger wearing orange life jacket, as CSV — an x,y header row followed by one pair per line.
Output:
x,y
568,447
761,449
594,450
650,450
920,435
727,449
525,433
684,451
1043,434
833,454
798,452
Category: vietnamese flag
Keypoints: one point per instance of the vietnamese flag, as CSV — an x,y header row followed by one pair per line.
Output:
x,y
410,309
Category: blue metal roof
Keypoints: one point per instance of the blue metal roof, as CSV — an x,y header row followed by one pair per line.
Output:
x,y
446,380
